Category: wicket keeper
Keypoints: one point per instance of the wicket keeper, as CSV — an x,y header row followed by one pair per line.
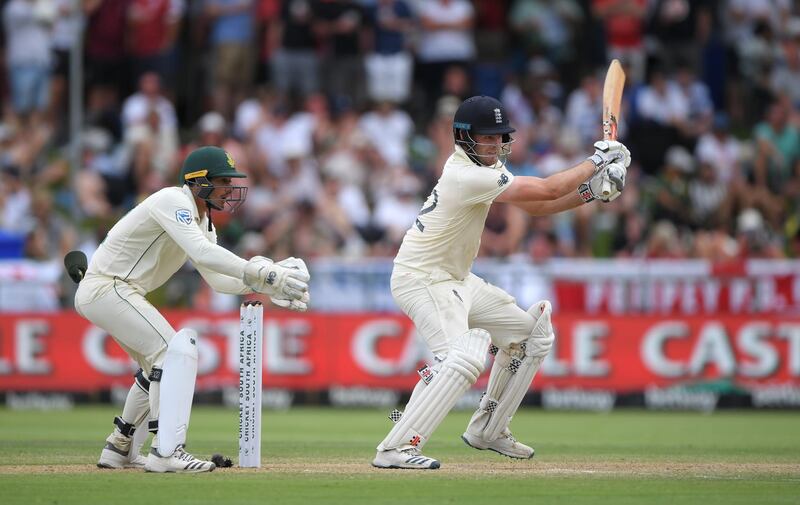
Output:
x,y
144,249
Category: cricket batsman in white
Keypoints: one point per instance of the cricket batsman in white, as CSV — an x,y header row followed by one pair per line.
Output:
x,y
459,314
144,249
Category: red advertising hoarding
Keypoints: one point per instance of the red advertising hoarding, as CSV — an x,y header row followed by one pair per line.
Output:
x,y
63,352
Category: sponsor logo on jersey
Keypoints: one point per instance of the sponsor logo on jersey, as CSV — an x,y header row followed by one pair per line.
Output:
x,y
183,216
503,180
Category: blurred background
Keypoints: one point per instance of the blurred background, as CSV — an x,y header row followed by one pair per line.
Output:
x,y
683,293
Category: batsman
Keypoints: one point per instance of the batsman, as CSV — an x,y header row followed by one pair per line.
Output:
x,y
141,252
457,313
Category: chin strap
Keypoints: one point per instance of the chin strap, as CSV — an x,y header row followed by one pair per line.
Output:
x,y
208,212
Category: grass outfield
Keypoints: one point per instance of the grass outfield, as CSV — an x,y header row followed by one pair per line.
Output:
x,y
317,455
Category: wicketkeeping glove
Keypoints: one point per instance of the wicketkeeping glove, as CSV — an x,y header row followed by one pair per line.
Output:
x,y
299,305
609,151
592,189
273,279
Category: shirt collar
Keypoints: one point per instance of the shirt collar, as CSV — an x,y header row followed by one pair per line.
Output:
x,y
188,192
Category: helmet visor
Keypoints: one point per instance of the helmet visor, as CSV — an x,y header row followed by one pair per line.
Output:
x,y
230,197
485,153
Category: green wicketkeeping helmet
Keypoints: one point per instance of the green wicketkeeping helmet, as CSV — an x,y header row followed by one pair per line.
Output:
x,y
206,163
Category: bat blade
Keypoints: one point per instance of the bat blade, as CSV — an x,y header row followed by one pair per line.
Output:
x,y
612,101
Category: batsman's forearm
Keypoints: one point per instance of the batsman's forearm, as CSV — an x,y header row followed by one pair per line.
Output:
x,y
548,207
566,182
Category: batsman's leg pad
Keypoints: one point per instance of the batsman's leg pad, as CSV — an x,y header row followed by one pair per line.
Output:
x,y
460,369
511,376
427,374
177,391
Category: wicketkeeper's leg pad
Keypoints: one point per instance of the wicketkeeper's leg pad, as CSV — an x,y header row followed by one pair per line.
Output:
x,y
460,369
511,376
177,391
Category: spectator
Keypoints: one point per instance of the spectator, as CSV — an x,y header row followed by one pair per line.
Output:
x,y
153,147
389,129
295,64
153,27
584,106
15,202
396,210
679,28
624,22
342,28
267,14
389,65
27,28
778,152
149,97
64,34
106,74
785,76
445,39
755,237
546,28
671,188
664,242
232,40
708,199
721,150
698,100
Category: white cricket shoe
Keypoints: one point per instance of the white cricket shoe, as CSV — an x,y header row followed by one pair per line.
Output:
x,y
505,444
407,458
115,457
180,462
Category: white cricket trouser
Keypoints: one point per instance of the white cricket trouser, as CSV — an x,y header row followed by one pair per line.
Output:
x,y
127,316
444,309
135,325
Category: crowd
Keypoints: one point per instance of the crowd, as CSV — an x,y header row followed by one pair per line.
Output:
x,y
340,112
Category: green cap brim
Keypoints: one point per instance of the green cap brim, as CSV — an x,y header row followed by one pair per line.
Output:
x,y
232,174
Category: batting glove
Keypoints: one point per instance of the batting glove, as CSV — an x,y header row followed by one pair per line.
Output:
x,y
592,189
609,151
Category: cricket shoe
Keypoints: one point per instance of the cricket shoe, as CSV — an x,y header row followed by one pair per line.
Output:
x,y
505,444
114,457
407,458
180,462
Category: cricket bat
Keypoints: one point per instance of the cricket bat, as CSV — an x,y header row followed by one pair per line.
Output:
x,y
612,100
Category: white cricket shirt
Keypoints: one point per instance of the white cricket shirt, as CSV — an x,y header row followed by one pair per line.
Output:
x,y
152,241
447,233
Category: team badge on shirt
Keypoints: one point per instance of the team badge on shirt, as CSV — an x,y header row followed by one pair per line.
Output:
x,y
183,216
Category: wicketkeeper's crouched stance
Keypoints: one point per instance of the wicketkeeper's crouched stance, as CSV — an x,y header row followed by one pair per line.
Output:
x,y
457,313
142,251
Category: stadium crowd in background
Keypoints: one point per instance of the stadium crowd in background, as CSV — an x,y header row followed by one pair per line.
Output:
x,y
340,113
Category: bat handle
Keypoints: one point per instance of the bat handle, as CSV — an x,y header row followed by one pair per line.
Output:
x,y
606,187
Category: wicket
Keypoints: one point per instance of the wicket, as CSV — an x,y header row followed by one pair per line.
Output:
x,y
251,329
